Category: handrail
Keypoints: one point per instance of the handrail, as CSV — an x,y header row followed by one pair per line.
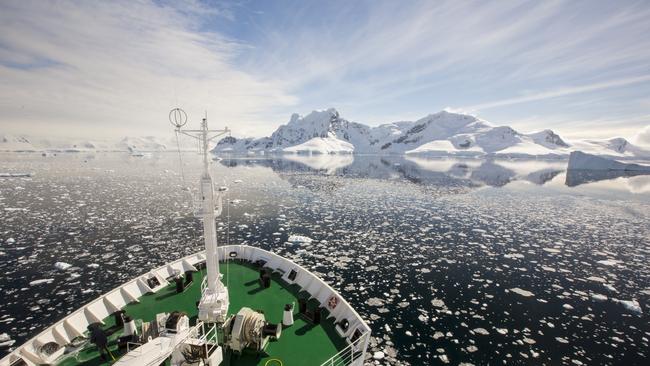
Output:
x,y
354,351
204,285
204,337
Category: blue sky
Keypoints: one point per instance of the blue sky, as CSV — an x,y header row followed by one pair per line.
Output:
x,y
581,68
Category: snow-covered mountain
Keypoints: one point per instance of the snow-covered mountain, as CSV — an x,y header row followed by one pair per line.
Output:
x,y
442,133
130,144
134,144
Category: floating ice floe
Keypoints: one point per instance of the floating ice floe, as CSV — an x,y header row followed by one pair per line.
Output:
x,y
438,303
598,297
552,250
62,265
379,355
631,305
6,341
524,293
373,301
596,279
41,281
608,262
481,331
299,239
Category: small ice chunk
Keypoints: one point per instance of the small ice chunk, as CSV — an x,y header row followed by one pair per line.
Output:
x,y
438,303
608,262
598,297
379,355
41,281
524,293
596,279
299,239
62,265
631,305
481,331
373,301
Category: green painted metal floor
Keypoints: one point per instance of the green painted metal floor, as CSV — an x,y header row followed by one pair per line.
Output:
x,y
301,344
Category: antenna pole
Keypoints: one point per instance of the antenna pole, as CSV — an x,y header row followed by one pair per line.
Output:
x,y
213,306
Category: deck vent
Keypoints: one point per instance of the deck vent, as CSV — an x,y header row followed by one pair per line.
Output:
x,y
265,280
189,278
153,282
344,324
260,262
119,320
302,306
357,334
292,275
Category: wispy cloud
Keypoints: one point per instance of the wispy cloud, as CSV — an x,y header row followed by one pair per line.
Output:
x,y
561,92
256,62
118,67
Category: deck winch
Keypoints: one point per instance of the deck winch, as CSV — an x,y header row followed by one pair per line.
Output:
x,y
248,329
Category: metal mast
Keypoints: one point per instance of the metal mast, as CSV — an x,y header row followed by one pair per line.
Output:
x,y
213,306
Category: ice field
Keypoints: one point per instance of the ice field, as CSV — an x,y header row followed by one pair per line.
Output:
x,y
461,262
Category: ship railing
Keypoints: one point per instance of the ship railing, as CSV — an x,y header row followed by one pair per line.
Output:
x,y
198,336
209,338
204,285
353,354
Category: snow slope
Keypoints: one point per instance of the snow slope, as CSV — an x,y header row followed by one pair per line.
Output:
x,y
322,145
440,134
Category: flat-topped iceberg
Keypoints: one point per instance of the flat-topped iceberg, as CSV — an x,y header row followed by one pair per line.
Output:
x,y
579,160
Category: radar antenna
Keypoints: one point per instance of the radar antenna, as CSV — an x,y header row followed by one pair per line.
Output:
x,y
213,306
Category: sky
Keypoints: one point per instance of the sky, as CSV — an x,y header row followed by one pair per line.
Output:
x,y
109,69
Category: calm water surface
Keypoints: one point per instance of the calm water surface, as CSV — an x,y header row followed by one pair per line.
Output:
x,y
465,261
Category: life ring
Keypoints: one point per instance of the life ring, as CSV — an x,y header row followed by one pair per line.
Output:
x,y
332,302
277,361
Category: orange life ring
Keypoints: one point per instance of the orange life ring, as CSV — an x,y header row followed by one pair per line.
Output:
x,y
332,302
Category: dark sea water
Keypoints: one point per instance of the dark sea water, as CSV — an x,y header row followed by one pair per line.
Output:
x,y
466,261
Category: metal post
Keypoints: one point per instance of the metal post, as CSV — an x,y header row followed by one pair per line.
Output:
x,y
214,302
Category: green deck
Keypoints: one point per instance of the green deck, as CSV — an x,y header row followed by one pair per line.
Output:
x,y
301,344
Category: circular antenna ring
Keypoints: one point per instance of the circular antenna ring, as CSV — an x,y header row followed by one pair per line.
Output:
x,y
177,117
